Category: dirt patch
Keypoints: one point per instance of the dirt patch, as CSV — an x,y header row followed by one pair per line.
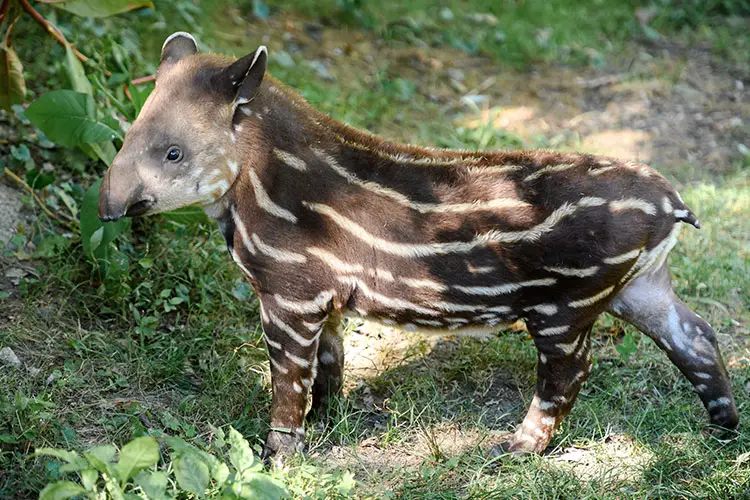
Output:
x,y
615,459
10,212
664,107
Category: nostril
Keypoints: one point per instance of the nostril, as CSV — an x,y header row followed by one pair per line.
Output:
x,y
139,207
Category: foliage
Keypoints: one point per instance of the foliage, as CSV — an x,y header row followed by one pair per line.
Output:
x,y
228,469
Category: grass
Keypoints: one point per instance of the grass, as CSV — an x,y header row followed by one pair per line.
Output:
x,y
173,347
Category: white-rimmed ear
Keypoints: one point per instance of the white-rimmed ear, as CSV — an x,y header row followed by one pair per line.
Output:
x,y
244,76
176,46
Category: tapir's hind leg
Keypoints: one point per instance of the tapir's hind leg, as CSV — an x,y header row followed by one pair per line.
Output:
x,y
330,373
649,304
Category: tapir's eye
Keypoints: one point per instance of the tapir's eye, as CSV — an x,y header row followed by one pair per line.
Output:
x,y
174,154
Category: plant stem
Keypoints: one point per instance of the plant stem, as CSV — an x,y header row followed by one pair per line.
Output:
x,y
144,79
38,200
51,29
4,10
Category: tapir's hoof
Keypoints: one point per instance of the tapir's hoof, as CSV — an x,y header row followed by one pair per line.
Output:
x,y
510,449
280,445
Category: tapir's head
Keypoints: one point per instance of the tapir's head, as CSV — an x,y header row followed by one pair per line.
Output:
x,y
181,150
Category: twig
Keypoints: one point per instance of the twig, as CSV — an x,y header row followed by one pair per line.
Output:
x,y
37,199
51,29
4,10
144,79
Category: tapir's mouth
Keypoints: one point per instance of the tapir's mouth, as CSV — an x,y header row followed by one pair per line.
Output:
x,y
139,207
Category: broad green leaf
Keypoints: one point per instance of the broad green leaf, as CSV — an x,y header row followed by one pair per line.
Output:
x,y
187,215
67,118
12,84
68,456
67,199
76,73
135,456
105,151
99,8
61,490
266,487
240,454
88,478
90,223
101,456
153,484
192,474
96,239
39,180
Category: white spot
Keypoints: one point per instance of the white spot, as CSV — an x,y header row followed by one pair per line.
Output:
x,y
546,309
703,375
666,205
542,358
633,204
297,388
548,420
718,402
327,358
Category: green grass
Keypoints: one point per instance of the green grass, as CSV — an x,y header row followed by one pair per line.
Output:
x,y
173,347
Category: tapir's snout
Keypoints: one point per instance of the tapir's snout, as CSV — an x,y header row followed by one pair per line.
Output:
x,y
122,194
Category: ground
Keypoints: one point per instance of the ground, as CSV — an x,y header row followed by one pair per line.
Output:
x,y
419,413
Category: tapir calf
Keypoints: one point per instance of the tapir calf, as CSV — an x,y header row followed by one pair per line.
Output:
x,y
327,221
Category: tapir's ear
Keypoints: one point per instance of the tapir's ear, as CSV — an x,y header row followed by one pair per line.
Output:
x,y
176,46
243,77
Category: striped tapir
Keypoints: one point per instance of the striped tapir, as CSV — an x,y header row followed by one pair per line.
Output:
x,y
327,221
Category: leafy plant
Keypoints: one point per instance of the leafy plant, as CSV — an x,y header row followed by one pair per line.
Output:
x,y
229,469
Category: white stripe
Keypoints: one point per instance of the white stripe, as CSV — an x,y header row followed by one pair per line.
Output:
x,y
239,263
591,201
313,327
503,289
568,349
278,323
379,189
499,309
619,259
483,317
462,321
271,343
395,303
423,283
297,388
266,203
243,231
318,304
548,420
591,300
411,160
603,170
339,265
303,363
633,204
282,369
550,169
666,205
680,213
703,375
428,322
429,249
223,185
290,160
546,309
334,262
554,330
480,269
569,271
278,254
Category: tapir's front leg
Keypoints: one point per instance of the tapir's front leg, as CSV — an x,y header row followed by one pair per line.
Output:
x,y
292,337
563,365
